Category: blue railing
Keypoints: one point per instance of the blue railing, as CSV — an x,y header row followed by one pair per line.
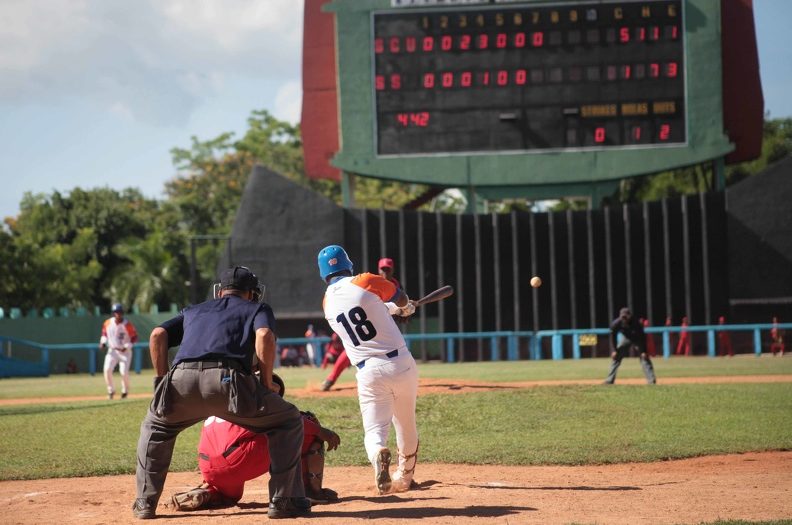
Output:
x,y
452,342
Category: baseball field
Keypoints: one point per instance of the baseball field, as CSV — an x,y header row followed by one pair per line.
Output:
x,y
504,442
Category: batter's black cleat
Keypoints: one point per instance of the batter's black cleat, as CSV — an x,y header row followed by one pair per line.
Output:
x,y
327,385
110,396
123,395
143,509
288,508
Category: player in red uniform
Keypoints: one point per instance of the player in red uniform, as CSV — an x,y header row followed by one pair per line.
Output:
x,y
651,349
776,339
724,340
684,339
229,455
335,347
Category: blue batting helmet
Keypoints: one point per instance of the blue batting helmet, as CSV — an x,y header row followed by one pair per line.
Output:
x,y
117,307
333,259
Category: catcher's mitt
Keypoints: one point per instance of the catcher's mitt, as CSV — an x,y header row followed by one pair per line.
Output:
x,y
195,499
199,498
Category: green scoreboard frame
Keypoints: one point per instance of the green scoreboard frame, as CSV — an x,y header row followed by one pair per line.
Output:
x,y
527,98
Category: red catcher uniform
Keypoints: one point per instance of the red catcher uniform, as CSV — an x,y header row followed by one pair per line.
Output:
x,y
229,455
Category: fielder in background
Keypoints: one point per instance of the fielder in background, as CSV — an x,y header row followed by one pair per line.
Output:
x,y
118,336
625,333
212,375
359,310
229,455
385,268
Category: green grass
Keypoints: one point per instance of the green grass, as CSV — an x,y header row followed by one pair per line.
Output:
x,y
488,372
550,425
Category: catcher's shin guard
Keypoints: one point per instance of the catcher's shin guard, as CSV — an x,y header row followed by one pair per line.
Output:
x,y
313,471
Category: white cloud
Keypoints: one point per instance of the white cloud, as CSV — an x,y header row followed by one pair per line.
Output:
x,y
288,102
157,58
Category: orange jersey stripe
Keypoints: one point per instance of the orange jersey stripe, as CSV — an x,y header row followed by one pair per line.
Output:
x,y
376,284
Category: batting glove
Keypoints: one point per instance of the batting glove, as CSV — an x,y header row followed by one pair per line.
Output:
x,y
407,310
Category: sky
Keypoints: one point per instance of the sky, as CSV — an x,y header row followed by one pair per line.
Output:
x,y
95,93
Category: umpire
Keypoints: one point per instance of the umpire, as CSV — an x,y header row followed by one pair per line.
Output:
x,y
211,376
627,332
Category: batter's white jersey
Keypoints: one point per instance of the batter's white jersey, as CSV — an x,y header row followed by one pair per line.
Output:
x,y
355,308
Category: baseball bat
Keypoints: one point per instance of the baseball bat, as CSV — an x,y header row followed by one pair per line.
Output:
x,y
441,293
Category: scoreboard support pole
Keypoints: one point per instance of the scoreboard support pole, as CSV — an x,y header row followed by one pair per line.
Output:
x,y
719,172
348,189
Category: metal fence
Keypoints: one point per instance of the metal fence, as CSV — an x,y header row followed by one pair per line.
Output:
x,y
502,345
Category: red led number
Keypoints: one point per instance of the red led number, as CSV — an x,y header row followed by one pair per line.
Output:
x,y
379,82
672,70
420,119
599,135
395,82
519,40
464,42
624,35
665,132
446,43
500,40
394,45
537,39
503,78
448,80
410,44
428,43
379,45
466,79
429,80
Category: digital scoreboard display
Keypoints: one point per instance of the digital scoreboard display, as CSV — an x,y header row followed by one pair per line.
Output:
x,y
524,78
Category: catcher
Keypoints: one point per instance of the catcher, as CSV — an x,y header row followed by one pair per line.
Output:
x,y
229,455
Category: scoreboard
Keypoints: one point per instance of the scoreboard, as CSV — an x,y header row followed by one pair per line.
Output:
x,y
531,97
511,78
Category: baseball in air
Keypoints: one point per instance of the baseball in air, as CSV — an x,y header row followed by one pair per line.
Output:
x,y
536,282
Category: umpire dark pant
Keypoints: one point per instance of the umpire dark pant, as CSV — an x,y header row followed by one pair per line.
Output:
x,y
192,392
624,350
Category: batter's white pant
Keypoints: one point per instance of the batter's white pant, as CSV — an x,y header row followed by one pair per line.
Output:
x,y
124,360
387,391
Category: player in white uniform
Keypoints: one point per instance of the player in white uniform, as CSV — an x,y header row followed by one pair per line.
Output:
x,y
118,337
359,310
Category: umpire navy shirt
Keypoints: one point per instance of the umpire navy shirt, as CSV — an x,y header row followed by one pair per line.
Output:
x,y
633,331
219,328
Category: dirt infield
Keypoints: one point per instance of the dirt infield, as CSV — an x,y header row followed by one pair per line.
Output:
x,y
753,486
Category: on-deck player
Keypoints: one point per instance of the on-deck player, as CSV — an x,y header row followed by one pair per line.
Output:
x,y
118,337
387,376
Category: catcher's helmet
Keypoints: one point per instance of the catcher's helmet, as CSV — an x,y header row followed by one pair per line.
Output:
x,y
333,259
117,307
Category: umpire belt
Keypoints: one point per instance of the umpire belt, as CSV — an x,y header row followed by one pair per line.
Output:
x,y
389,355
215,363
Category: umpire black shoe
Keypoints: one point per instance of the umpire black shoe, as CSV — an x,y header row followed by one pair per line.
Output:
x,y
143,509
288,508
